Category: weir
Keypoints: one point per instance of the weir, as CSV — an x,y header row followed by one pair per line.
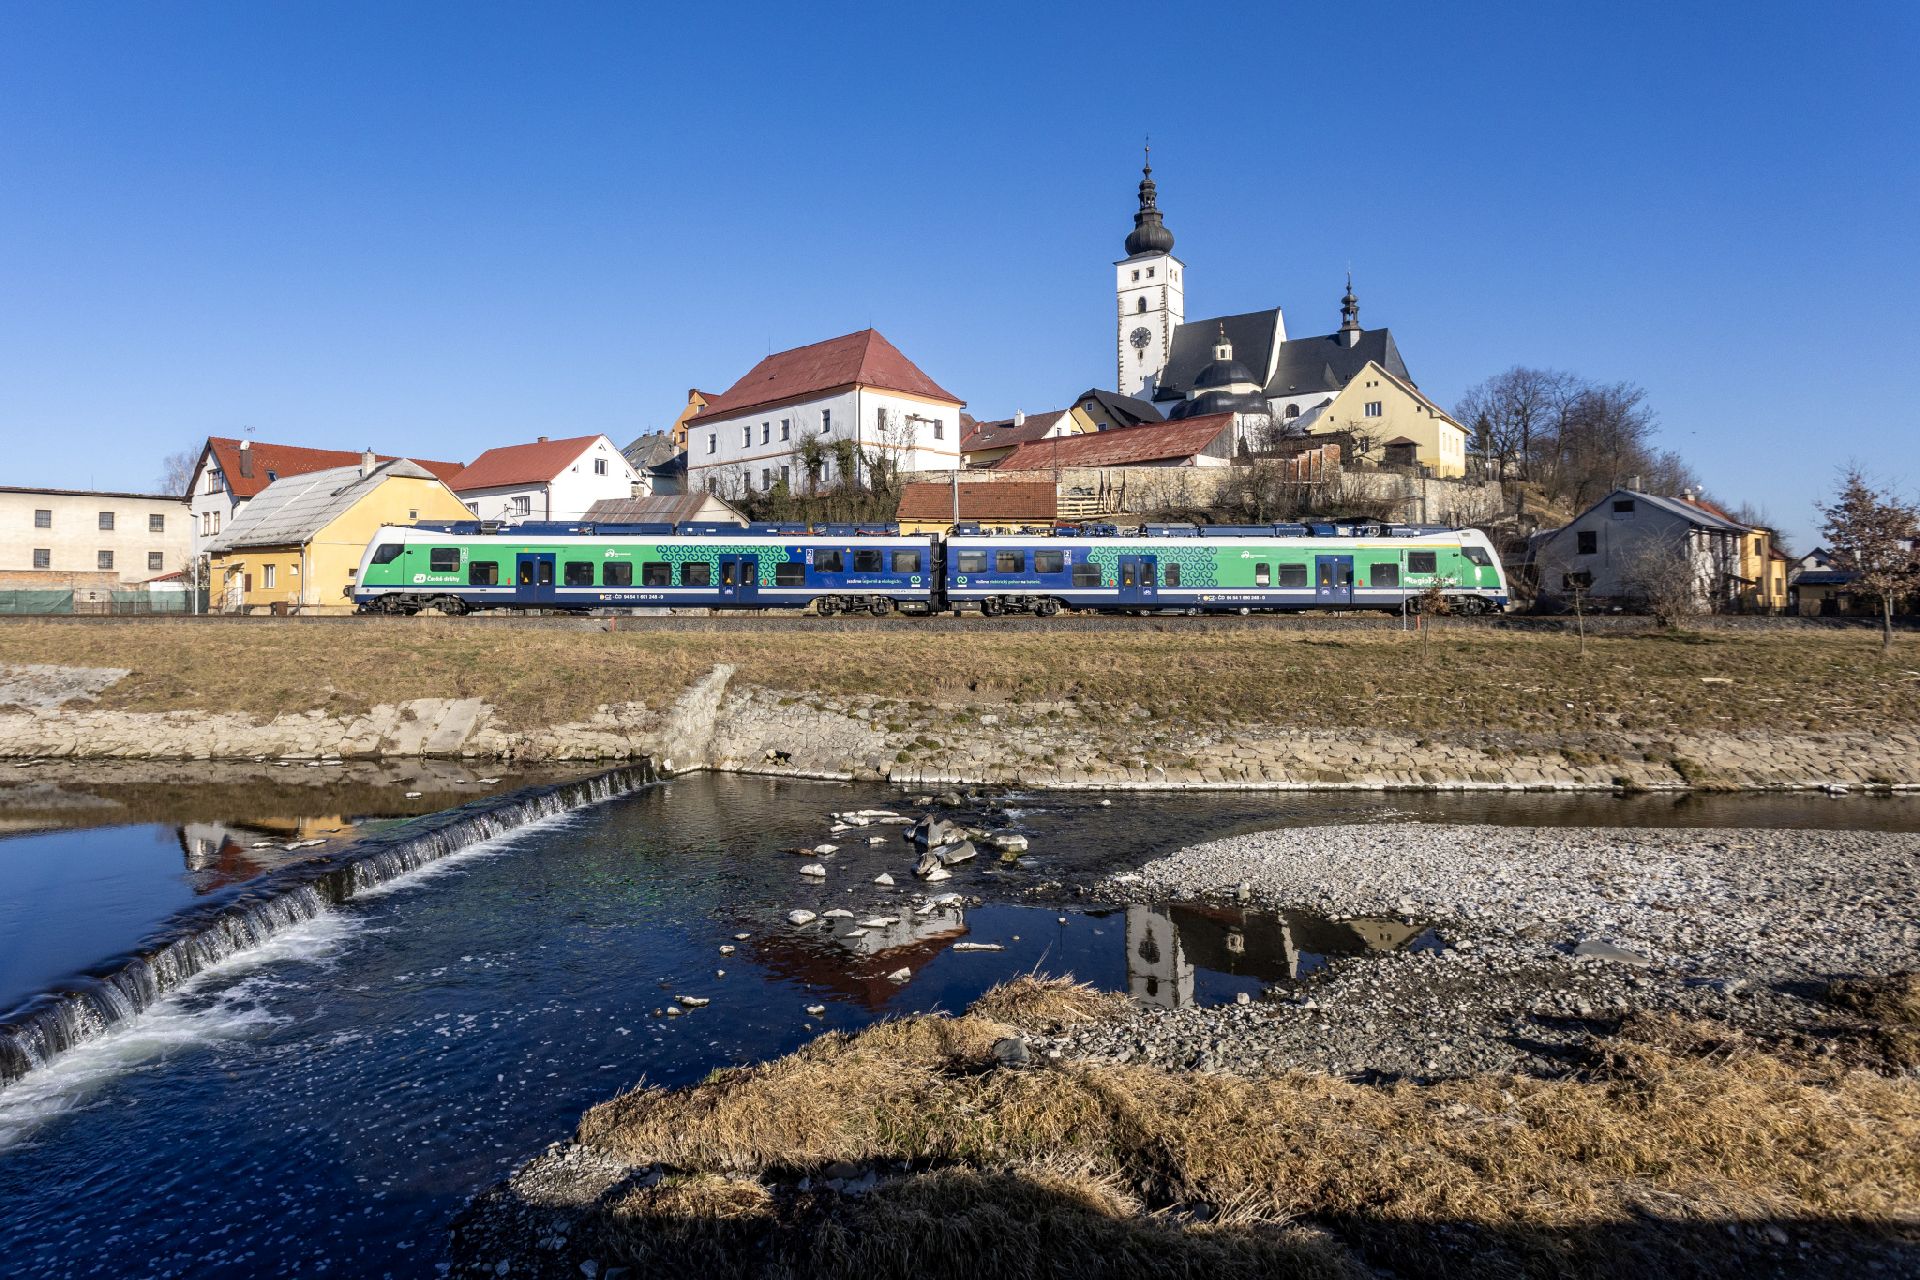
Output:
x,y
93,1003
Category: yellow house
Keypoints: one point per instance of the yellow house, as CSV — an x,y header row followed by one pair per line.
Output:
x,y
696,401
298,544
1403,427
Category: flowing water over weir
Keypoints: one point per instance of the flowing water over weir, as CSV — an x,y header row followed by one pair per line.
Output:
x,y
90,1005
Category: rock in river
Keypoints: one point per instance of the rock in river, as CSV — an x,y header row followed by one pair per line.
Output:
x,y
801,916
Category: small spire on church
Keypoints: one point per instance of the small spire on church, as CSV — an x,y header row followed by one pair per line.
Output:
x,y
1149,234
1350,314
1222,349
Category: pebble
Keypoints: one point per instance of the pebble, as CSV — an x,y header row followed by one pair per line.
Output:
x,y
801,916
815,870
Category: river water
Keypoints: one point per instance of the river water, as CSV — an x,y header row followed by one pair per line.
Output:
x,y
323,1104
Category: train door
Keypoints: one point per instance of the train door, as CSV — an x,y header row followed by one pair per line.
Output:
x,y
739,579
1333,579
533,577
1139,579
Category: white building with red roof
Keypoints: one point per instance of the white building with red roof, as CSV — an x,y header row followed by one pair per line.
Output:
x,y
815,413
231,472
545,480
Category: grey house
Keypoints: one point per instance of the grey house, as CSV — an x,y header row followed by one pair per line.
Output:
x,y
1613,548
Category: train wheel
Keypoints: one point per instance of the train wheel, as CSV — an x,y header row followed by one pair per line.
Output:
x,y
1047,607
1192,611
826,606
880,606
991,606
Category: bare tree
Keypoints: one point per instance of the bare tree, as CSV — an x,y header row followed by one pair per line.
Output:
x,y
1665,577
176,471
1511,413
1871,533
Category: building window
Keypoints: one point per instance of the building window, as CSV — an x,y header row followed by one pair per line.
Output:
x,y
43,519
713,441
786,428
826,421
1136,273
156,523
523,505
1623,506
1149,273
156,561
746,436
939,429
106,521
599,466
1373,409
272,475
1143,304
766,477
43,557
216,522
1293,411
1587,542
785,477
106,559
267,572
766,433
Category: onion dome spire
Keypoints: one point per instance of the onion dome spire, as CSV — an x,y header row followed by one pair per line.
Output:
x,y
1149,234
1349,307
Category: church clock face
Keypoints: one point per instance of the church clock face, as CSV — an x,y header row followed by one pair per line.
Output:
x,y
1140,338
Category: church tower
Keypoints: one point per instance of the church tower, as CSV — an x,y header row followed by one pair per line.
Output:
x,y
1150,287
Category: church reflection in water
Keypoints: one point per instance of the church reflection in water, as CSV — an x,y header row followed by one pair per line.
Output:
x,y
1170,947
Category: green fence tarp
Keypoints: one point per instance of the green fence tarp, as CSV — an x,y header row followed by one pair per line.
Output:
x,y
24,602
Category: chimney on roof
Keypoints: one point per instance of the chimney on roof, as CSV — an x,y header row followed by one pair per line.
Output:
x,y
1686,495
366,463
1019,419
1633,483
246,458
539,439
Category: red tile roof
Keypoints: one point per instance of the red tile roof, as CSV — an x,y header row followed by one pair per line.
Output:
x,y
1149,442
534,463
1029,501
246,470
1002,434
863,359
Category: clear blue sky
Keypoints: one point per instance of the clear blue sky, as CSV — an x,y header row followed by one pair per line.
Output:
x,y
437,227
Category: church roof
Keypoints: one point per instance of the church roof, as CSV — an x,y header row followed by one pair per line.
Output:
x,y
863,359
1301,366
1327,363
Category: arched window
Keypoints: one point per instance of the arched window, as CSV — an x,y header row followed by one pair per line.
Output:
x,y
1293,411
1142,306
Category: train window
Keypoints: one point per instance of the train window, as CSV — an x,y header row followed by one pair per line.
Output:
x,y
1477,555
483,573
444,560
906,562
656,573
388,552
1049,561
616,574
973,562
869,560
829,561
1262,576
790,574
1422,562
1383,575
1086,575
1170,574
696,573
577,573
1009,561
1291,575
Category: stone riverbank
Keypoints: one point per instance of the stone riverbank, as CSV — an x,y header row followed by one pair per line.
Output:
x,y
720,724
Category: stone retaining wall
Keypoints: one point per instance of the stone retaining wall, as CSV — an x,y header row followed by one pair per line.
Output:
x,y
715,724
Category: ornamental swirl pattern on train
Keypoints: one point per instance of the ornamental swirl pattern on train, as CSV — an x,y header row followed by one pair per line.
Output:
x,y
465,566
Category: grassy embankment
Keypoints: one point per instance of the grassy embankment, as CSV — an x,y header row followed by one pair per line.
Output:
x,y
1679,1149
1467,679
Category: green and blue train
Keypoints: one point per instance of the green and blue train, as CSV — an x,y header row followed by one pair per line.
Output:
x,y
463,566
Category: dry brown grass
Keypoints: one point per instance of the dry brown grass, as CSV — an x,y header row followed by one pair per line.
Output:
x,y
1474,679
1637,1165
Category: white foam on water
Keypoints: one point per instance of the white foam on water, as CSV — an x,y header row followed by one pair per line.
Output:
x,y
183,1019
